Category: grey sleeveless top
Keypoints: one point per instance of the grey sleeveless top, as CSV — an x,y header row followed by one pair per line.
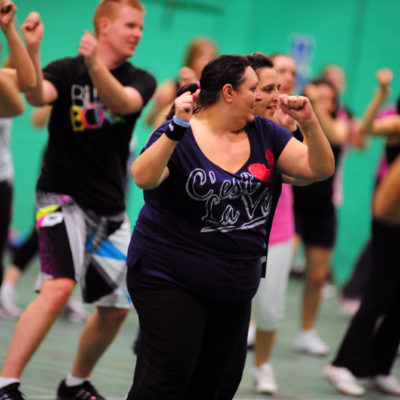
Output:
x,y
6,165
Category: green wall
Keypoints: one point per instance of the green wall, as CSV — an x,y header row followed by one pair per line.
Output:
x,y
357,34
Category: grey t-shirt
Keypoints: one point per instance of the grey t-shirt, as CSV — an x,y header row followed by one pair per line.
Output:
x,y
6,165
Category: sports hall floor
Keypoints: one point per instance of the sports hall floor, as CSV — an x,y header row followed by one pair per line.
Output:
x,y
299,376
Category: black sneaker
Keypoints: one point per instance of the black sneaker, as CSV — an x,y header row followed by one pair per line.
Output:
x,y
11,392
85,391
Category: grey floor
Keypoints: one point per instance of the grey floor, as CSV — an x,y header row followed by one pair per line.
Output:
x,y
299,376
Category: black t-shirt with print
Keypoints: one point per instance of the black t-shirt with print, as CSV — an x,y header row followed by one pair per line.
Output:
x,y
88,146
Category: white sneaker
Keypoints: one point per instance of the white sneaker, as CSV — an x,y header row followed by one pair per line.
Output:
x,y
264,379
8,302
4,314
251,335
75,312
387,384
309,342
343,381
328,291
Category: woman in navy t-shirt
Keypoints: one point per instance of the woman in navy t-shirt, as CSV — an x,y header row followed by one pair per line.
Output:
x,y
195,255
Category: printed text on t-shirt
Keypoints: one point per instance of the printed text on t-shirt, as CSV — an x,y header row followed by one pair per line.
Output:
x,y
87,111
249,203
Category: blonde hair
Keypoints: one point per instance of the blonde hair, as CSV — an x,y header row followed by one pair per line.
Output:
x,y
195,48
110,9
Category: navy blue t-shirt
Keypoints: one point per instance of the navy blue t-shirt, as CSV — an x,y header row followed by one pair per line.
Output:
x,y
204,228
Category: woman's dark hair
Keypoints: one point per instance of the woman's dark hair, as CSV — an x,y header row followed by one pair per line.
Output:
x,y
398,105
217,73
259,60
224,69
183,89
326,82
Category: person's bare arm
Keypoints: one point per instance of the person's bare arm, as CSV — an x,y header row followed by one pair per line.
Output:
x,y
40,116
24,73
368,124
296,181
11,103
44,92
309,162
335,129
118,98
150,169
388,126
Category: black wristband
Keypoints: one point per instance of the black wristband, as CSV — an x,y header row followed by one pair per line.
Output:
x,y
175,131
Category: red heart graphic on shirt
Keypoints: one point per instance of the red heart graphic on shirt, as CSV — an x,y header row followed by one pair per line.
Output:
x,y
261,171
270,159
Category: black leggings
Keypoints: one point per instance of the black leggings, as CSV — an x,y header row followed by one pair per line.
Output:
x,y
190,348
6,196
372,339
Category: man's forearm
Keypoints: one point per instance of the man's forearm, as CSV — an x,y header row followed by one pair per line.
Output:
x,y
111,92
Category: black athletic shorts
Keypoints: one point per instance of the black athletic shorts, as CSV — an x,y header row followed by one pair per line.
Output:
x,y
318,229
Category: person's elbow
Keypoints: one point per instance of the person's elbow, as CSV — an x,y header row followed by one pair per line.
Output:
x,y
329,170
19,108
143,183
27,84
128,104
326,170
33,99
141,178
13,109
124,108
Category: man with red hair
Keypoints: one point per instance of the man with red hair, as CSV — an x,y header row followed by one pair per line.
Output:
x,y
82,226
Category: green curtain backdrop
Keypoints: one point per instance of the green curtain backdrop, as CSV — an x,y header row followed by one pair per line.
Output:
x,y
359,35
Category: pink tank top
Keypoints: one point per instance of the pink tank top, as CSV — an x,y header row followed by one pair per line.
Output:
x,y
283,222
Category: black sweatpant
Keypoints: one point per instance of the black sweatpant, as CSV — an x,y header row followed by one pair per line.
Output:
x,y
6,195
355,286
190,347
372,339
